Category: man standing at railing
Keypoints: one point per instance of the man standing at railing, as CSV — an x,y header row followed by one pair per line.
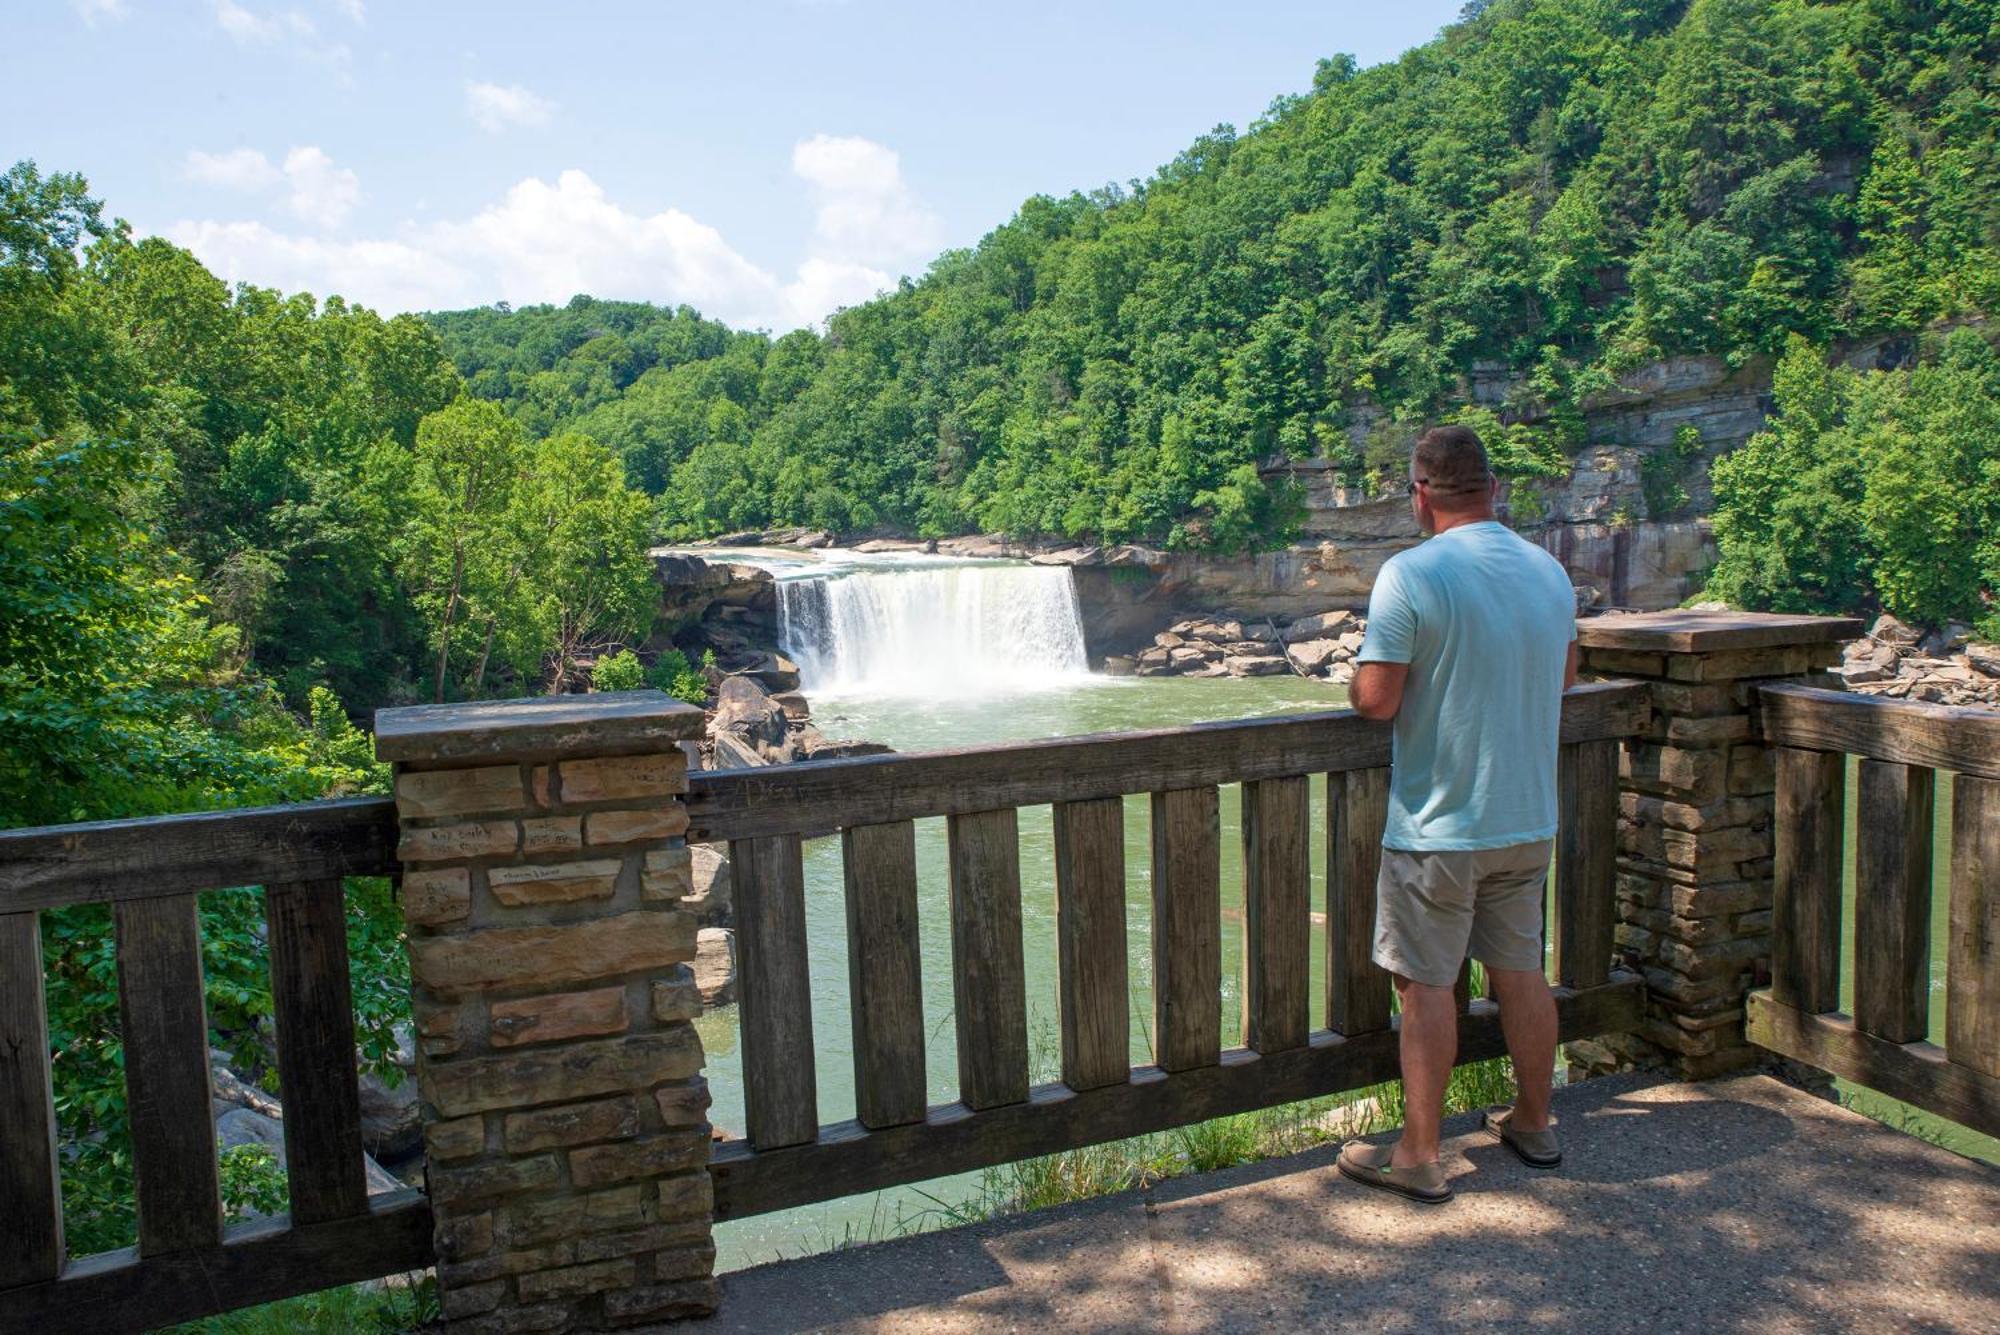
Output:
x,y
1471,642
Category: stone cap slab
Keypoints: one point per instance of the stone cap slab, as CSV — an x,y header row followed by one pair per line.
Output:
x,y
1684,632
560,727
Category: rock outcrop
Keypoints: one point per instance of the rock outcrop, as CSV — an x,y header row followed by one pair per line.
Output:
x,y
1944,666
1319,645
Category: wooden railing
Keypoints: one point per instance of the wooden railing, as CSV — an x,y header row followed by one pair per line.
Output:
x,y
1884,1044
187,1263
788,1158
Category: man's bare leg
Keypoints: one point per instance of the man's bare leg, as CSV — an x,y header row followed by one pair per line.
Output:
x,y
1528,1019
1429,1049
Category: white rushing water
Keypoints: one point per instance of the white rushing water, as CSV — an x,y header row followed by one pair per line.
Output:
x,y
932,629
895,624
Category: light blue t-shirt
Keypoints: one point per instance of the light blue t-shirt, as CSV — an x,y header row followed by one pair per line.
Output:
x,y
1484,618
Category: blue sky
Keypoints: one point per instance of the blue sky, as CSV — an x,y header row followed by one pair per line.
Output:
x,y
765,160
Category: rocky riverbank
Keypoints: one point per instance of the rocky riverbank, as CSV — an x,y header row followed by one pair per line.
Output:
x,y
1944,666
1321,645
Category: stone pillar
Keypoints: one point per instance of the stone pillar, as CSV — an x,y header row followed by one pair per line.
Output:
x,y
1695,825
565,1115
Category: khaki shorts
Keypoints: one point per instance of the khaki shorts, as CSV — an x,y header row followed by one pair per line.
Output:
x,y
1432,910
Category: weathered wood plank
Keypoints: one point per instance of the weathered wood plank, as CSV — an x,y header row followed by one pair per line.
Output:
x,y
867,790
1586,862
259,1262
1972,959
1892,901
774,992
104,861
1187,928
885,973
1916,1073
989,984
1277,904
314,1010
1357,989
163,1024
1805,924
1690,632
1094,993
847,1158
559,727
1908,732
30,1197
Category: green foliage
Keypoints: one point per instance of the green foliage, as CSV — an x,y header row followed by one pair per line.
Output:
x,y
1563,189
672,673
621,671
1663,473
403,1303
252,1182
1869,489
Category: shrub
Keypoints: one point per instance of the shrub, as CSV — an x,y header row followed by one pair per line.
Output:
x,y
618,672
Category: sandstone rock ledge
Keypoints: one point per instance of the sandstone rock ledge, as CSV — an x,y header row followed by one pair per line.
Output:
x,y
1320,646
1943,667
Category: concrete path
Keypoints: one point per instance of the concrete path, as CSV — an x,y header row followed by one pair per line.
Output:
x,y
1735,1205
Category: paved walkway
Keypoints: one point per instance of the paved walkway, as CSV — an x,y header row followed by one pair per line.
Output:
x,y
1735,1205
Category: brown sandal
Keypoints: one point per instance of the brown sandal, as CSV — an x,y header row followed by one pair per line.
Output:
x,y
1370,1166
1537,1149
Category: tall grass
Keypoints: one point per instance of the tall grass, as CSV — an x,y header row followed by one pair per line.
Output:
x,y
400,1303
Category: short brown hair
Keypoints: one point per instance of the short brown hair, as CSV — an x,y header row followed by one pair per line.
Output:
x,y
1452,461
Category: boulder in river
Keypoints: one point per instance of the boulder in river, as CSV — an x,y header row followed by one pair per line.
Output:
x,y
712,895
1311,656
1320,626
745,709
715,965
1263,666
1888,630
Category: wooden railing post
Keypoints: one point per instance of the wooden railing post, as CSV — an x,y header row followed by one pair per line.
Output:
x,y
1696,837
565,1115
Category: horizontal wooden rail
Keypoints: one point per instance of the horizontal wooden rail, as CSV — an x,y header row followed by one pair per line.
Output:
x,y
848,1157
1920,1074
821,796
1906,732
258,1262
108,861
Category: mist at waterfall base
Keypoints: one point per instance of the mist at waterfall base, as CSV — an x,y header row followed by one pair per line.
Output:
x,y
928,629
924,652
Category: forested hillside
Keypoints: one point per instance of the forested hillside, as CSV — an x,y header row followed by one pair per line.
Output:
x,y
224,511
1567,187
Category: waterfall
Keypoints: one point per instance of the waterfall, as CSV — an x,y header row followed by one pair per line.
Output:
x,y
966,628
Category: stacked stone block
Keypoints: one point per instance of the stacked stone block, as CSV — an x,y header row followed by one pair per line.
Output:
x,y
566,1130
1695,840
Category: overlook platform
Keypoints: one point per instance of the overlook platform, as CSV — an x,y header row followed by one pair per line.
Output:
x,y
1733,1205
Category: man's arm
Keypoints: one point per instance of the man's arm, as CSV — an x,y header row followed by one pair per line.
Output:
x,y
1569,668
1377,691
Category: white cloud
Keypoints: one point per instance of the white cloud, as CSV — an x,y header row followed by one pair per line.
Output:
x,y
546,241
238,169
388,275
353,9
92,12
494,107
291,28
865,212
247,26
318,192
321,192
